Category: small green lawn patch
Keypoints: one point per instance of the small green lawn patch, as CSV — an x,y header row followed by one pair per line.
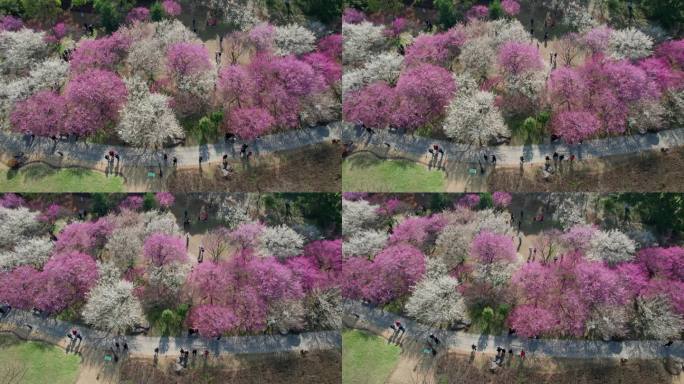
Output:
x,y
37,362
367,358
42,178
365,172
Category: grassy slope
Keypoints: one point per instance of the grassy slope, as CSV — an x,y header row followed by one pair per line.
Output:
x,y
366,358
41,178
363,172
40,363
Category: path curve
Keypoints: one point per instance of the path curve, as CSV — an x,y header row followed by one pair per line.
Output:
x,y
54,331
508,155
461,341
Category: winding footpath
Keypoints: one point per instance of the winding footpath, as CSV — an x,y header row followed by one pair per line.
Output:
x,y
54,331
507,155
461,341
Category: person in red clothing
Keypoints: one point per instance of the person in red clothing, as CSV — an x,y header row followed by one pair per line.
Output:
x,y
522,354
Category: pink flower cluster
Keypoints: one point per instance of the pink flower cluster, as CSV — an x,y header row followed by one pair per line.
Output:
x,y
420,96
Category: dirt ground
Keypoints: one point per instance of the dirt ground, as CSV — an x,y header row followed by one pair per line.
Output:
x,y
315,169
650,172
321,367
463,369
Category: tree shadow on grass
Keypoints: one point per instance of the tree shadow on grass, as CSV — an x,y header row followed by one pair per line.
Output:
x,y
37,171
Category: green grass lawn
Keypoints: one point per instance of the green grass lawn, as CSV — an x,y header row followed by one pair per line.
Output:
x,y
36,362
365,172
366,358
41,178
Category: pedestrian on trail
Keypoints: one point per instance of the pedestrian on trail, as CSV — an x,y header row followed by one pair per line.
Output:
x,y
522,354
166,158
434,338
555,157
473,347
125,347
546,38
116,155
194,353
200,160
431,152
200,257
441,151
486,158
187,236
156,352
111,153
494,159
510,351
206,354
561,158
249,154
522,160
107,158
116,345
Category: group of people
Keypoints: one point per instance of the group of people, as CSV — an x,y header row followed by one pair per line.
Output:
x,y
111,156
501,354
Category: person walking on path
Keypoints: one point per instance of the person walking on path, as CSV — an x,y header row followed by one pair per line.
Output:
x,y
522,354
175,161
200,256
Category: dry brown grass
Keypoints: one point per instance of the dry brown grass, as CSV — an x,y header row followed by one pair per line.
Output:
x,y
322,367
457,368
312,169
650,172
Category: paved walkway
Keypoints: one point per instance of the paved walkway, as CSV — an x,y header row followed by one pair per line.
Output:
x,y
462,341
510,155
91,155
54,331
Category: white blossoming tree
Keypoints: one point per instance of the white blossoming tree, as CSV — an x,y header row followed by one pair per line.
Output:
x,y
361,42
324,309
293,39
286,315
125,245
436,301
385,67
159,222
146,119
655,319
629,43
34,251
474,119
477,57
606,323
281,241
364,243
113,307
20,50
611,246
16,225
358,215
